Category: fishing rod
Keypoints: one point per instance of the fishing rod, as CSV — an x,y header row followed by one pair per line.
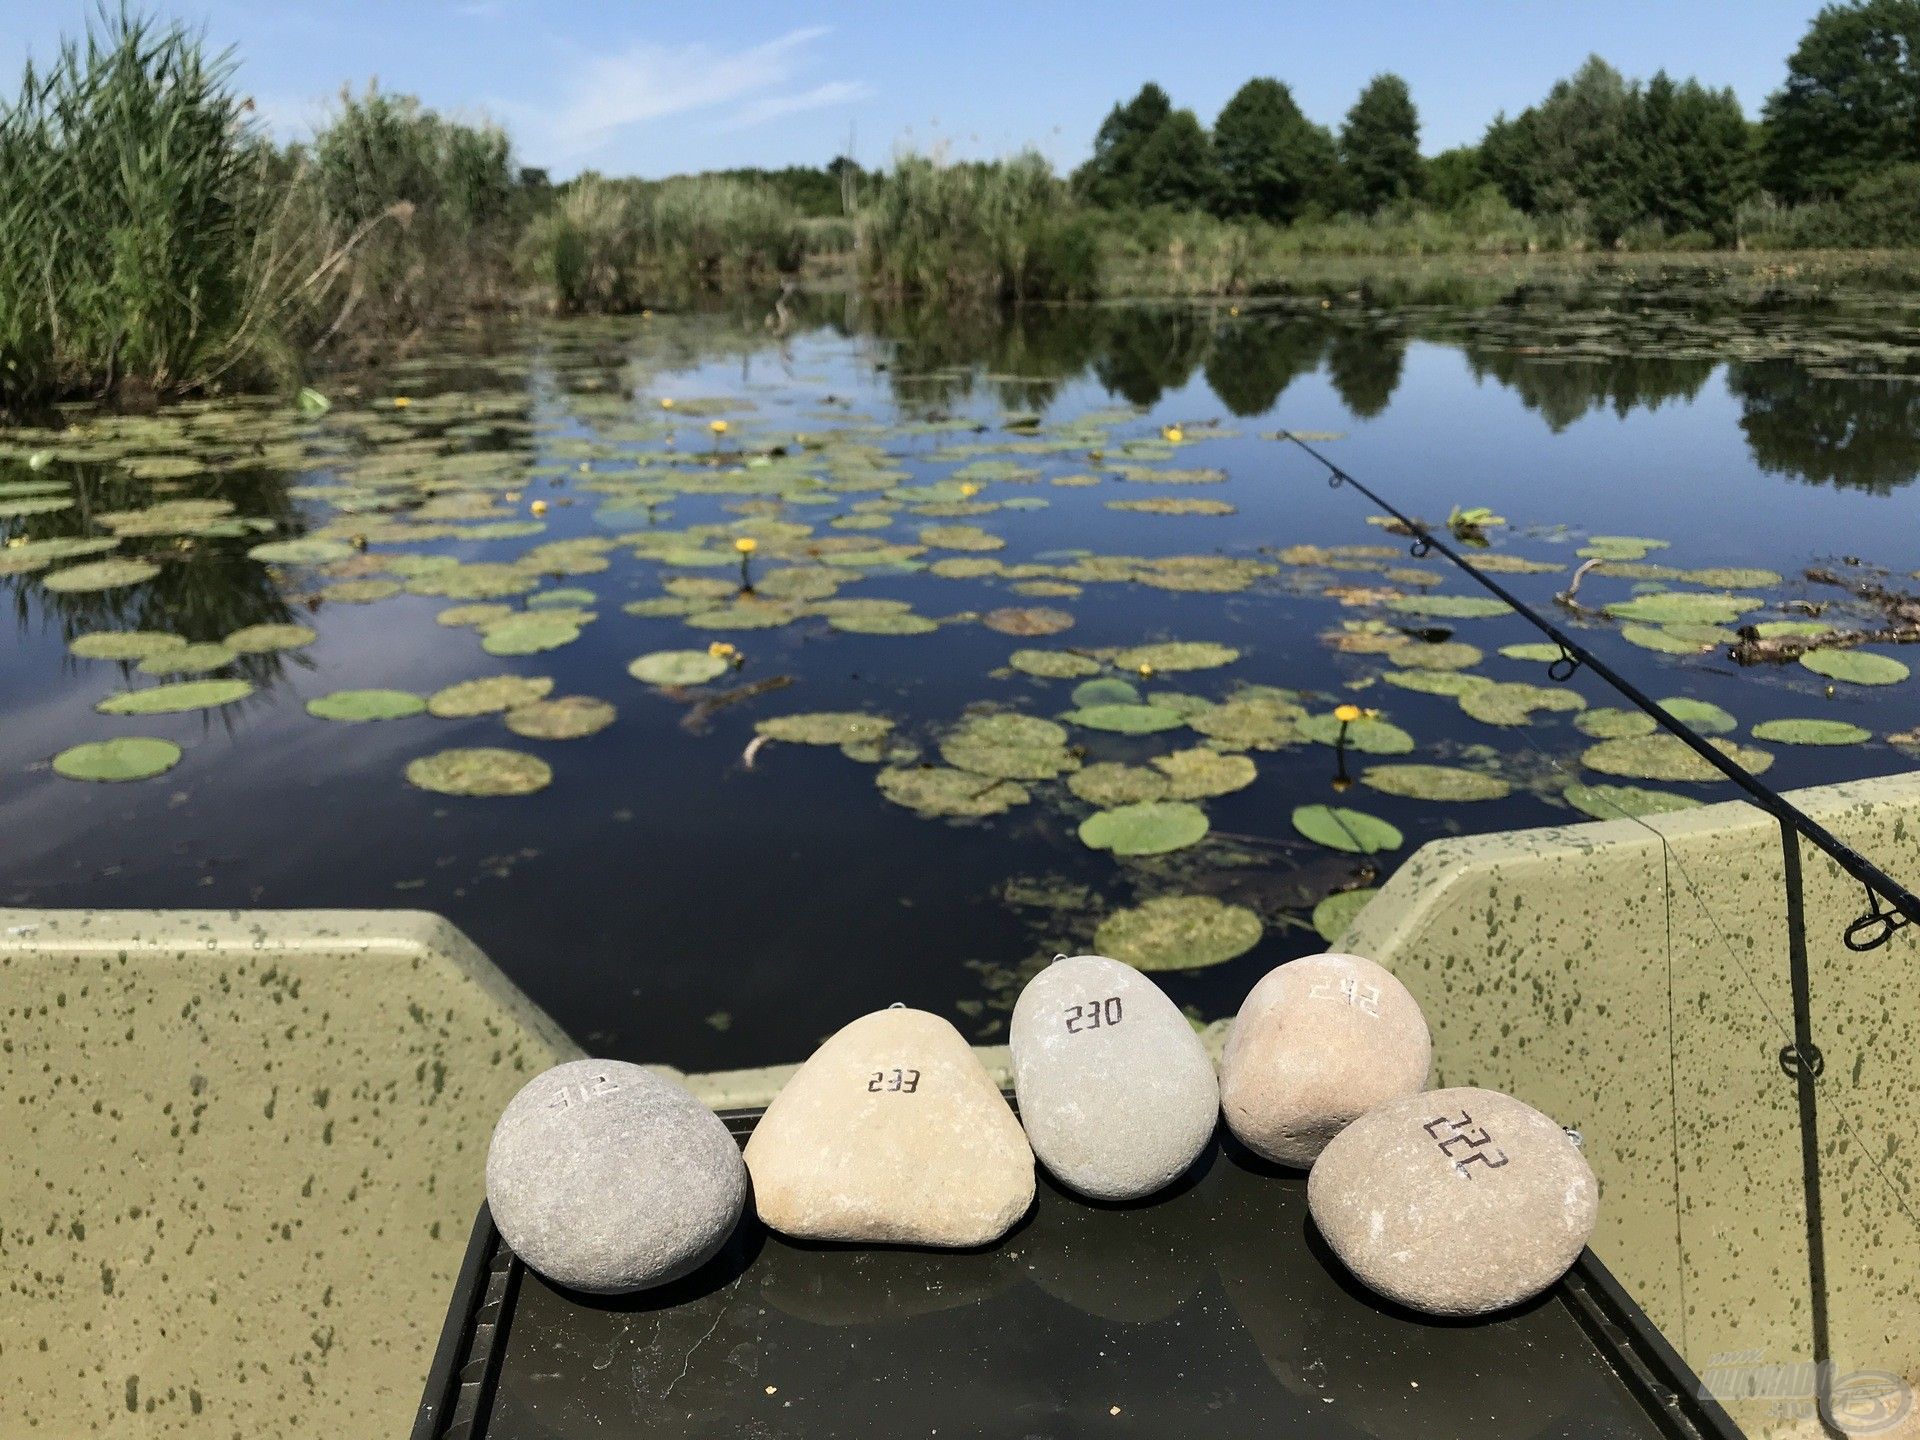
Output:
x,y
1870,931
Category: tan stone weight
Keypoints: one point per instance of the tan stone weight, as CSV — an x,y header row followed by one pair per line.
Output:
x,y
1318,1042
891,1133
1454,1202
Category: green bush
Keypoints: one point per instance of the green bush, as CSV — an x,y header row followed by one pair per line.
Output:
x,y
1002,231
134,194
616,245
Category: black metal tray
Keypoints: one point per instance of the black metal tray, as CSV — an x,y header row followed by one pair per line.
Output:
x,y
1215,1311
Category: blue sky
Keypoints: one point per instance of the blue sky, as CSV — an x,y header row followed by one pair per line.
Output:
x,y
640,88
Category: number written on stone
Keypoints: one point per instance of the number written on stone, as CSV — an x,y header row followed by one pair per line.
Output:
x,y
1093,1015
1364,998
1465,1143
889,1081
585,1091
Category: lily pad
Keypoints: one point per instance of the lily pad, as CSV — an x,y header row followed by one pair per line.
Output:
x,y
1515,704
529,634
1152,827
1251,724
1614,802
1543,651
264,639
1200,773
885,624
1436,682
1667,639
1434,782
130,757
935,790
1700,715
360,592
1335,915
1053,664
1125,719
300,552
171,699
678,667
825,727
1448,607
124,644
960,537
100,575
1610,722
488,696
1811,732
1668,758
1178,932
1109,784
481,771
1855,667
1684,607
1446,655
1352,831
1108,690
1010,747
187,659
570,717
1177,655
1366,735
356,706
1027,620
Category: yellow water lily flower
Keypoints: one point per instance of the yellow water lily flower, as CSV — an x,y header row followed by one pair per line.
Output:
x,y
721,650
1146,671
539,507
718,427
1233,310
969,490
400,402
666,402
1347,714
746,544
1172,434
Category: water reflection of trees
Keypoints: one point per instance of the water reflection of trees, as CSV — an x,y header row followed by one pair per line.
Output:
x,y
1862,434
1364,364
1562,390
1253,360
206,587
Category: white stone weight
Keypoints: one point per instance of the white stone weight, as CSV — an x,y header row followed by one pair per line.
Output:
x,y
606,1177
1318,1042
1116,1091
1454,1202
892,1133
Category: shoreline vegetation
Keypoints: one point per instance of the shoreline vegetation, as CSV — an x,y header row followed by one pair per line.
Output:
x,y
160,243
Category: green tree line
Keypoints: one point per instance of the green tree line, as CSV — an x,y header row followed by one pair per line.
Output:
x,y
1599,158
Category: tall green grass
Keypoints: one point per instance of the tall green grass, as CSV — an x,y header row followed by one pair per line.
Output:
x,y
1001,231
616,245
133,194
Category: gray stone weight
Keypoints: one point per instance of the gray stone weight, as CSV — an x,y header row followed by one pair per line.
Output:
x,y
891,1133
1116,1092
606,1177
1454,1202
1319,1041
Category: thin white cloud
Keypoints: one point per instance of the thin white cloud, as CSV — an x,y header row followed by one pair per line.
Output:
x,y
649,82
834,92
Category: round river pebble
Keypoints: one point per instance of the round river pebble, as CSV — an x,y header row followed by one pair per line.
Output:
x,y
1454,1202
605,1177
1320,1041
892,1133
1116,1092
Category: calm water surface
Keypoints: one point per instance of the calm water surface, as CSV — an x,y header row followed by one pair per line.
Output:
x,y
667,901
